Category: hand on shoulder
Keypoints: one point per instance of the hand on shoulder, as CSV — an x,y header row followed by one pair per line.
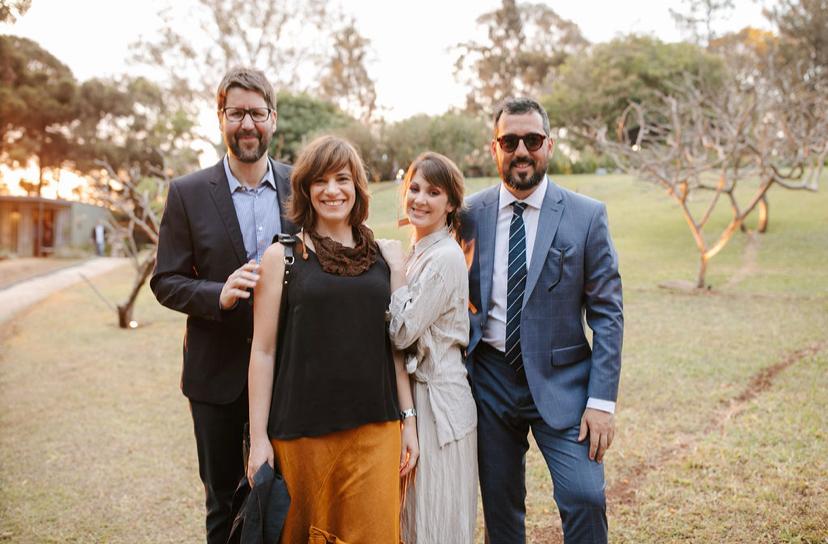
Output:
x,y
392,252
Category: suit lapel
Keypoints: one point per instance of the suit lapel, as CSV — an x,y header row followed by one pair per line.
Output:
x,y
548,221
220,192
486,232
282,193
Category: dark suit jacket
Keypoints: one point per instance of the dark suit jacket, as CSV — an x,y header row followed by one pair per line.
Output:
x,y
200,244
573,274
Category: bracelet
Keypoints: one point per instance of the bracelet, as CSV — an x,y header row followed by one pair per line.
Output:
x,y
411,412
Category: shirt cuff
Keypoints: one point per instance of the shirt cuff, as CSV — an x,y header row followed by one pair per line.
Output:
x,y
399,298
603,405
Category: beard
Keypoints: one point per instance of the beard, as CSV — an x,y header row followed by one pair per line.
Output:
x,y
523,181
248,155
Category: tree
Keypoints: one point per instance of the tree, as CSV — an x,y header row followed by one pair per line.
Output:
x,y
462,137
526,43
803,31
345,80
10,10
599,84
291,40
300,117
697,22
747,53
709,141
130,142
38,98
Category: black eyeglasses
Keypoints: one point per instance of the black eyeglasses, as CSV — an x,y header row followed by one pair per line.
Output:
x,y
509,142
236,115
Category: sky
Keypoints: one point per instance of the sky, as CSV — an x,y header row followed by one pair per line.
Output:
x,y
411,59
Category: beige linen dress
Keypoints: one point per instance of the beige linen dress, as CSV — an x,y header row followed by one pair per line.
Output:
x,y
429,319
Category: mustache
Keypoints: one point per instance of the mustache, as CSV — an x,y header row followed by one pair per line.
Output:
x,y
521,161
242,134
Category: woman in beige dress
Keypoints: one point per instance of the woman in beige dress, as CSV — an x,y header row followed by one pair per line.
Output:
x,y
429,319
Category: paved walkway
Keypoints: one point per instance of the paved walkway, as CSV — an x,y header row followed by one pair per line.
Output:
x,y
23,294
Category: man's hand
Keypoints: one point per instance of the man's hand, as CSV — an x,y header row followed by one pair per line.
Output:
x,y
600,426
238,283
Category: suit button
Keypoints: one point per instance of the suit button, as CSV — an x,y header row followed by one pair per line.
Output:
x,y
249,340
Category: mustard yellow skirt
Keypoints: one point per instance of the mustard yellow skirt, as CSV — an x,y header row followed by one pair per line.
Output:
x,y
344,486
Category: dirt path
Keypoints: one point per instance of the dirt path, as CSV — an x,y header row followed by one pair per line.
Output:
x,y
625,489
15,270
23,294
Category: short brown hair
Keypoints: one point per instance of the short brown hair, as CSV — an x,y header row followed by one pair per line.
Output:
x,y
323,156
441,172
246,78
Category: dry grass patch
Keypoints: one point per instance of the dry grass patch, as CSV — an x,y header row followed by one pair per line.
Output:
x,y
95,438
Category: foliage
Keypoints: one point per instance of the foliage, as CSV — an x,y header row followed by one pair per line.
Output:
x,y
130,123
803,30
747,53
297,43
598,85
345,79
697,22
38,99
300,116
10,10
462,137
525,45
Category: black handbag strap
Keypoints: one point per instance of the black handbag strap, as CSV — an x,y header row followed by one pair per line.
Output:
x,y
288,241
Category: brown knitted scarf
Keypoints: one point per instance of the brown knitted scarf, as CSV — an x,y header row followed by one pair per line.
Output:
x,y
341,260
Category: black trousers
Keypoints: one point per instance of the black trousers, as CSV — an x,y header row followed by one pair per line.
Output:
x,y
219,432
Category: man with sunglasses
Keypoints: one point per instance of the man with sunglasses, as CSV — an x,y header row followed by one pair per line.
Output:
x,y
542,261
216,225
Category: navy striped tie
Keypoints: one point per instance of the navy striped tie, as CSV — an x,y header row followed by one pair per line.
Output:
x,y
515,285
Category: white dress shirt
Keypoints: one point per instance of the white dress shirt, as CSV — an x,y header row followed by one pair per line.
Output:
x,y
494,333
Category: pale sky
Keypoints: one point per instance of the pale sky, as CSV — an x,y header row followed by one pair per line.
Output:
x,y
412,64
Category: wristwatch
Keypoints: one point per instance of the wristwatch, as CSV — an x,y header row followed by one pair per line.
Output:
x,y
411,412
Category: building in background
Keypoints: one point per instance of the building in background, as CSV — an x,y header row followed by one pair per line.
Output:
x,y
39,227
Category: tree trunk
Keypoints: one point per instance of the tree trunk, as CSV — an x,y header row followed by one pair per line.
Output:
x,y
702,272
125,310
39,176
762,227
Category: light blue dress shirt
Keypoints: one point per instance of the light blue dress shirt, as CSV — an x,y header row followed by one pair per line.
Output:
x,y
257,210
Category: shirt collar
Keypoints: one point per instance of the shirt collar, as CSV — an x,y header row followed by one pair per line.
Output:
x,y
535,200
426,242
234,183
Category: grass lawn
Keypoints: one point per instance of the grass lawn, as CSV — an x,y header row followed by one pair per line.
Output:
x,y
722,415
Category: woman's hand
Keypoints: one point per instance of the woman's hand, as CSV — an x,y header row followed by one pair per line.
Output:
x,y
392,252
261,452
410,451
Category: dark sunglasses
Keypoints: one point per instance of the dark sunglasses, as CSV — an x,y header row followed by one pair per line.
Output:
x,y
509,142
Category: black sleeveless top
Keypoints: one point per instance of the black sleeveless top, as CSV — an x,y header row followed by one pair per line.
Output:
x,y
334,368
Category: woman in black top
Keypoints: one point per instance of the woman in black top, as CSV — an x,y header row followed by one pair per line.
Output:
x,y
331,407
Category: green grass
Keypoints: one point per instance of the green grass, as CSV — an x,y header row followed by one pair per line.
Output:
x,y
96,440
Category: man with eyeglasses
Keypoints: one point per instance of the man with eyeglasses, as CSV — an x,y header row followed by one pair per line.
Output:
x,y
542,260
216,225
